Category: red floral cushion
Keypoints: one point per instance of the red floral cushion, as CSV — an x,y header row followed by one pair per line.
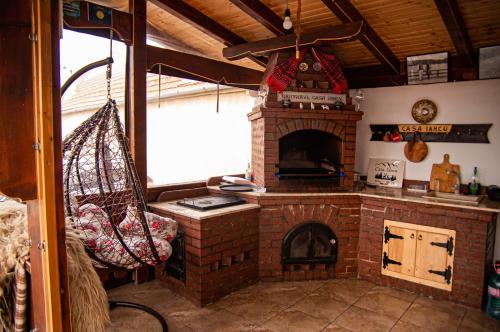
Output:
x,y
92,217
160,227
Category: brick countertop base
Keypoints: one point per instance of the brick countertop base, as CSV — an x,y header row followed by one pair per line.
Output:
x,y
228,251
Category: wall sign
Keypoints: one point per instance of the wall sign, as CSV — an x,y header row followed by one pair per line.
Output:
x,y
421,128
311,97
449,133
386,172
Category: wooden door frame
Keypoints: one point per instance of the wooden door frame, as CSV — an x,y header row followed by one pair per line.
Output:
x,y
51,228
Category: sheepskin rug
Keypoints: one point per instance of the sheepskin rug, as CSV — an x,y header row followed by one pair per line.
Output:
x,y
14,251
88,299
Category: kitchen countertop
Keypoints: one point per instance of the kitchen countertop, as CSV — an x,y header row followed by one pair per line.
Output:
x,y
173,207
486,204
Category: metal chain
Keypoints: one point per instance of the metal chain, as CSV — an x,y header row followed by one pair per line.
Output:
x,y
108,68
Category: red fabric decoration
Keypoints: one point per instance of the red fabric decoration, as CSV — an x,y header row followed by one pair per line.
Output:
x,y
283,73
332,70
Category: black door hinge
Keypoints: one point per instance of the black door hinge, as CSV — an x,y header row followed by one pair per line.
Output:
x,y
388,235
448,245
386,261
446,274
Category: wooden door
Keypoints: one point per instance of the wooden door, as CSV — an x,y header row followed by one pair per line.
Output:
x,y
418,253
431,258
401,250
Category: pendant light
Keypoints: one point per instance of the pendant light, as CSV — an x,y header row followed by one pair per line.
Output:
x,y
287,22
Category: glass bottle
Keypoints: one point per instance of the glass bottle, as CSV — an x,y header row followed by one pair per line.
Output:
x,y
474,183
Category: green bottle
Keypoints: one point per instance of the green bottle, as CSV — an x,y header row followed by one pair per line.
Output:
x,y
474,185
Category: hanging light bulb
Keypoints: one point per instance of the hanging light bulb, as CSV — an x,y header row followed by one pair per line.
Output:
x,y
287,22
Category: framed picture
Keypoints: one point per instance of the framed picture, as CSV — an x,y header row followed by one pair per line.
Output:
x,y
427,68
386,172
489,62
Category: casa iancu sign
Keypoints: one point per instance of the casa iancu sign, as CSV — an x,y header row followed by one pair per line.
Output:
x,y
311,97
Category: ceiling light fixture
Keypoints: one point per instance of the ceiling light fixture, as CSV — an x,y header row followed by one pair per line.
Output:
x,y
287,22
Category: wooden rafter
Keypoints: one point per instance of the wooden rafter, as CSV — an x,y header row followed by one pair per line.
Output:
x,y
201,69
262,14
346,12
336,34
186,13
166,40
452,17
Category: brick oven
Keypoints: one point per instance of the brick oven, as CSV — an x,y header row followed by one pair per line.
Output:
x,y
304,148
298,149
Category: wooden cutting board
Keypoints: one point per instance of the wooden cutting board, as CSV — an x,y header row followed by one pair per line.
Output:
x,y
416,150
440,172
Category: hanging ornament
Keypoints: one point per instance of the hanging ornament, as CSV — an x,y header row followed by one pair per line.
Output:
x,y
159,85
218,91
317,66
303,66
297,44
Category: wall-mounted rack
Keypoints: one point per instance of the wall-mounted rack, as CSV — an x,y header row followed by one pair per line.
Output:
x,y
445,133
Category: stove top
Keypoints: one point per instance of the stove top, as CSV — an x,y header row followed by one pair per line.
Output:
x,y
205,203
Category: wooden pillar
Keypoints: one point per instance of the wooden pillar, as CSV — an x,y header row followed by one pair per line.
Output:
x,y
50,243
137,115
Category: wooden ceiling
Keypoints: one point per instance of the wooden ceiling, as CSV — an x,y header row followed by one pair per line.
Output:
x,y
407,27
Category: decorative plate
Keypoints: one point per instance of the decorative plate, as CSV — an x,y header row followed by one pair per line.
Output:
x,y
424,111
303,66
317,66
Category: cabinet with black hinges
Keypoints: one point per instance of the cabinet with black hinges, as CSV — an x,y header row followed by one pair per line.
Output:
x,y
417,253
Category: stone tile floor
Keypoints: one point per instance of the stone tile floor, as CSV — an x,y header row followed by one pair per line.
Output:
x,y
332,305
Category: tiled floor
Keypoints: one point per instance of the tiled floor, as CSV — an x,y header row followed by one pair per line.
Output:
x,y
333,305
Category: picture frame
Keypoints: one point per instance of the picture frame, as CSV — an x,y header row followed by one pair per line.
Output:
x,y
386,172
489,62
427,68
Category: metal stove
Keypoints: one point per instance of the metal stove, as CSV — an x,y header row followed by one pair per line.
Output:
x,y
205,203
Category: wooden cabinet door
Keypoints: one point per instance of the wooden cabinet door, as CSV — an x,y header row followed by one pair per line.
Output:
x,y
417,253
401,250
430,257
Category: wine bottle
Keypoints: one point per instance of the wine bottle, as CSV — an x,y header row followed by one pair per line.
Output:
x,y
474,185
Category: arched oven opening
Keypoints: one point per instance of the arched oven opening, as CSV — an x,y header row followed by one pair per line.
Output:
x,y
309,243
310,154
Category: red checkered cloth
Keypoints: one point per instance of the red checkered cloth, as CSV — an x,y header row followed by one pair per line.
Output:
x,y
332,69
283,73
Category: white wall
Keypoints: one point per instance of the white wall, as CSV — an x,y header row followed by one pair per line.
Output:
x,y
459,102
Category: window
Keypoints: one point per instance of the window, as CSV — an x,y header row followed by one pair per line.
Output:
x,y
187,139
88,93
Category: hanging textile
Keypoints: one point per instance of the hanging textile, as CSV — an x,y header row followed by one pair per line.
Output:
x,y
331,69
283,73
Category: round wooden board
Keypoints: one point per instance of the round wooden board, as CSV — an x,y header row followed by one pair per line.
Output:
x,y
416,151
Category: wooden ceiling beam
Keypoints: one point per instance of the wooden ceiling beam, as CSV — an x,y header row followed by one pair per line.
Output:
x,y
186,13
121,24
347,13
263,14
201,69
337,34
453,19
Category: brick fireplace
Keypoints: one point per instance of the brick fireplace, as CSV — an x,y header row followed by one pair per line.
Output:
x,y
291,145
